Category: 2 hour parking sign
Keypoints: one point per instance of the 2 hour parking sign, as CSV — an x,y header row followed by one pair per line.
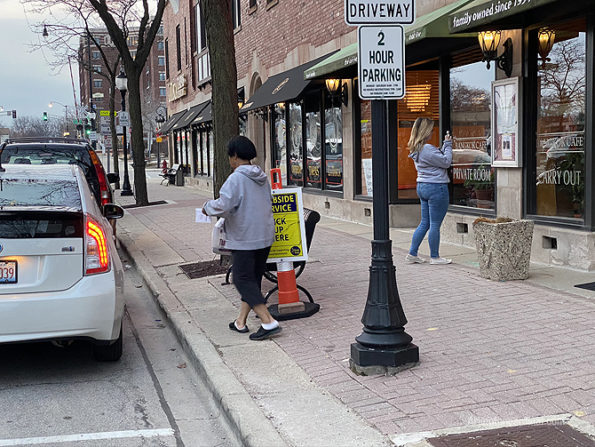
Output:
x,y
381,62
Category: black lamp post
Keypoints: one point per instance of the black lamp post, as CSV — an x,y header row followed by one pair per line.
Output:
x,y
383,344
122,85
160,120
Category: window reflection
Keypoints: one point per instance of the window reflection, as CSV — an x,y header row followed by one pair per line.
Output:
x,y
296,159
560,139
421,100
473,182
333,148
313,142
366,148
279,140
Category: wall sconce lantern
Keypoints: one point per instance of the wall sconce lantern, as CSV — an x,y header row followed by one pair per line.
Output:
x,y
489,41
337,89
241,98
546,38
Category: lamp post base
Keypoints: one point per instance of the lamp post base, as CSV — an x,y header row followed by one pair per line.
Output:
x,y
370,361
126,192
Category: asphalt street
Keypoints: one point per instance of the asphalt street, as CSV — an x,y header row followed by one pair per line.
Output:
x,y
62,397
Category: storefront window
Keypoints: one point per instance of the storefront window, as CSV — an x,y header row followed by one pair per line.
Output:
x,y
366,148
296,159
243,124
473,183
280,140
333,133
560,139
313,142
422,100
204,153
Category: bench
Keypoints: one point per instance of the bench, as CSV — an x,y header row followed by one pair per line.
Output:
x,y
311,218
170,175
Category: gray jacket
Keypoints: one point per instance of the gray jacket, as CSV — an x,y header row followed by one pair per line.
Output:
x,y
431,163
245,203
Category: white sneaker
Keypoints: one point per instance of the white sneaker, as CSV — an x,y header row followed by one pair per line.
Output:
x,y
410,259
440,261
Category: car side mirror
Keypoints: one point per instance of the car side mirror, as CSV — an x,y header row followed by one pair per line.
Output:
x,y
112,211
112,177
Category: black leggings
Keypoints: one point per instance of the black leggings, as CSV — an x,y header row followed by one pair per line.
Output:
x,y
247,270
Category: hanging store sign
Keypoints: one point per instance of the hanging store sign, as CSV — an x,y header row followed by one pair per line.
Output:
x,y
379,12
381,63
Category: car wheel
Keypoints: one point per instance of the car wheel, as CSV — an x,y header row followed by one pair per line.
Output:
x,y
109,353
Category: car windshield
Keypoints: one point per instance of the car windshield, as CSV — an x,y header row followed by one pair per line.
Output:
x,y
39,192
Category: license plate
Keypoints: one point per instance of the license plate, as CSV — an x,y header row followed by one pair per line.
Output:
x,y
8,272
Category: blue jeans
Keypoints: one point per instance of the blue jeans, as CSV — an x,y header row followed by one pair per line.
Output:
x,y
434,204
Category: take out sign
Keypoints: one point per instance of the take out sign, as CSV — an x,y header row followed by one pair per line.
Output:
x,y
379,12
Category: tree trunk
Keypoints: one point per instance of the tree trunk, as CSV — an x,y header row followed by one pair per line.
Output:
x,y
136,139
220,38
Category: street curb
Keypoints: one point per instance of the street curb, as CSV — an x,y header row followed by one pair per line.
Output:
x,y
249,424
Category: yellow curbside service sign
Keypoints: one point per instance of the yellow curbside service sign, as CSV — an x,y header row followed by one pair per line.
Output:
x,y
290,231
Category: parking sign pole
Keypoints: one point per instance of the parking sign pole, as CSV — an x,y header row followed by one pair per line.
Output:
x,y
383,346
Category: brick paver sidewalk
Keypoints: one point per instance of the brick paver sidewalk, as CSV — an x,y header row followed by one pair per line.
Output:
x,y
489,351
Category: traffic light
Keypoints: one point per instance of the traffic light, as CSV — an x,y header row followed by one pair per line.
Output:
x,y
14,114
93,124
45,116
87,129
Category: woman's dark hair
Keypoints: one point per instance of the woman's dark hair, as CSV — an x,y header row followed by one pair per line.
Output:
x,y
242,147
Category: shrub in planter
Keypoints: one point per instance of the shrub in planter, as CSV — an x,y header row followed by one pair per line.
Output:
x,y
503,248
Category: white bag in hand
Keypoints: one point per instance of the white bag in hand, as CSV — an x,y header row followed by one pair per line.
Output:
x,y
219,238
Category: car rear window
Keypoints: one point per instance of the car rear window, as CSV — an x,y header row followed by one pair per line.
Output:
x,y
39,192
48,224
41,154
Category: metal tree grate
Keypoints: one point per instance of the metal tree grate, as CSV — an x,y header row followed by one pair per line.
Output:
x,y
202,269
523,436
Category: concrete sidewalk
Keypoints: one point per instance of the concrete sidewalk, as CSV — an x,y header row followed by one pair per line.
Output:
x,y
491,353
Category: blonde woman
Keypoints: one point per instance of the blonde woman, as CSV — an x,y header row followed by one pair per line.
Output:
x,y
432,188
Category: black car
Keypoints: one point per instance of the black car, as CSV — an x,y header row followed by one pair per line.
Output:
x,y
46,150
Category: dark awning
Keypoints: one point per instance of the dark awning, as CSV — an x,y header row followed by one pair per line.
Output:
x,y
280,88
205,114
189,116
483,12
171,121
343,58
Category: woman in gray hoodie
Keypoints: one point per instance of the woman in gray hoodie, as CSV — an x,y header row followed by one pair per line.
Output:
x,y
245,203
432,188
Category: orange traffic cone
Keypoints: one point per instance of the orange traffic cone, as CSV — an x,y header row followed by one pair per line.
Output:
x,y
289,297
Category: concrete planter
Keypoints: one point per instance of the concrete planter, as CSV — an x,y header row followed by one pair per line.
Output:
x,y
504,249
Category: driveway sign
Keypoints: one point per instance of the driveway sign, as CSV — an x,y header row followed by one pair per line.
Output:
x,y
381,62
379,12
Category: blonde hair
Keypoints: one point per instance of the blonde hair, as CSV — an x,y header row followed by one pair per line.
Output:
x,y
420,133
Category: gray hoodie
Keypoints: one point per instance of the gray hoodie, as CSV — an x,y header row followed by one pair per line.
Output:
x,y
245,203
431,163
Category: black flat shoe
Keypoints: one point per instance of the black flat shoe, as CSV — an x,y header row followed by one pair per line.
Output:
x,y
263,333
233,327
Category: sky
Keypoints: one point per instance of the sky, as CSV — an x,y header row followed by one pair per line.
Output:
x,y
27,82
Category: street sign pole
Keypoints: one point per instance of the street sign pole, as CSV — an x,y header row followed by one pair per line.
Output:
x,y
383,346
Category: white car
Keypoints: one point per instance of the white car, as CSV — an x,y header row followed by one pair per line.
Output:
x,y
60,275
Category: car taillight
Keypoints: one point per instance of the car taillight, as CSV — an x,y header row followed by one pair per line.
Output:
x,y
104,192
96,251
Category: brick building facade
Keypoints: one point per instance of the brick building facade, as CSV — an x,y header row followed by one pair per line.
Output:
x,y
322,140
